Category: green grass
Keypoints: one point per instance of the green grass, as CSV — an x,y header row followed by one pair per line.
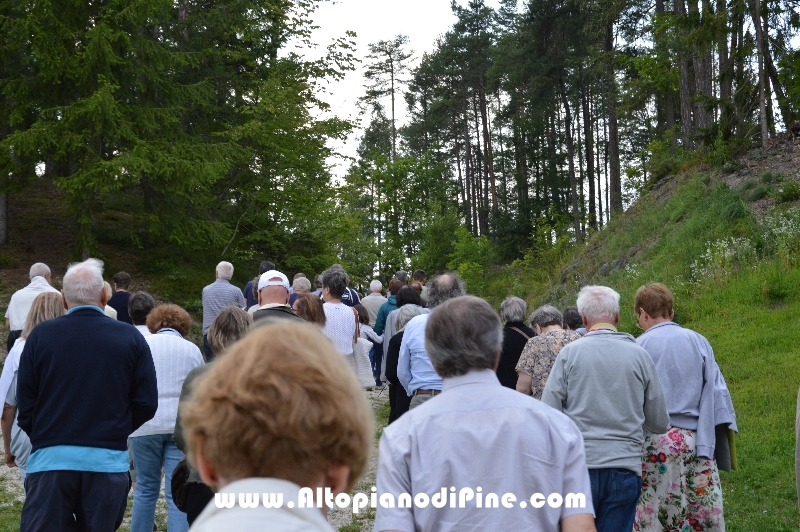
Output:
x,y
10,507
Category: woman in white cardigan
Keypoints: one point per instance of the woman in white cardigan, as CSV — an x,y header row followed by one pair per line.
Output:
x,y
152,445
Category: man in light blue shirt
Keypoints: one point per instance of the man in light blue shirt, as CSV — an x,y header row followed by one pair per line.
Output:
x,y
414,369
480,457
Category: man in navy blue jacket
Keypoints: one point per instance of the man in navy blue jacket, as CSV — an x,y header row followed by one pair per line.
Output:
x,y
85,383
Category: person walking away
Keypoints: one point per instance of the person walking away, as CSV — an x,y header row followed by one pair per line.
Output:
x,y
216,296
680,479
21,301
152,444
119,301
16,444
85,383
515,335
540,353
609,387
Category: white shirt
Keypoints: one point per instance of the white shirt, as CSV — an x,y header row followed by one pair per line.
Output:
x,y
143,329
340,326
477,433
174,358
21,301
10,366
111,312
259,519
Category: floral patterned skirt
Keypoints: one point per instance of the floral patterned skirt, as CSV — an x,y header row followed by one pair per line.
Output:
x,y
680,492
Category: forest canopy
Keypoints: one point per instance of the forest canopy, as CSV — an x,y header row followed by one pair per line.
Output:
x,y
526,126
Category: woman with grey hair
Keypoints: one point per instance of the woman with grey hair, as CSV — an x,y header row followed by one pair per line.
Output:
x,y
515,335
540,353
399,401
340,320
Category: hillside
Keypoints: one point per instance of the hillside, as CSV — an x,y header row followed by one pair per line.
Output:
x,y
728,245
725,240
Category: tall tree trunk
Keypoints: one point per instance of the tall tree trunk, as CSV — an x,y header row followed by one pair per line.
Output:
x,y
687,129
615,181
755,9
487,142
589,150
573,178
599,169
702,62
725,71
468,174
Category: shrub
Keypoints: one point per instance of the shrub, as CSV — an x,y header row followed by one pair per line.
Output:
x,y
759,192
7,262
789,191
748,184
770,177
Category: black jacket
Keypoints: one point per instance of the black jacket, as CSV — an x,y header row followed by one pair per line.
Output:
x,y
87,380
513,344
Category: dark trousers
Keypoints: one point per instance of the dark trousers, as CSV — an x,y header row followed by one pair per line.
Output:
x,y
207,349
399,402
376,357
197,498
615,494
12,337
74,501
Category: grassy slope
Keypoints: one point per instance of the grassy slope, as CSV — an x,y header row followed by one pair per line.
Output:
x,y
748,316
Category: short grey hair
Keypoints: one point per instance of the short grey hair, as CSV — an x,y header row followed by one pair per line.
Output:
x,y
547,315
443,287
225,270
335,280
40,269
463,334
83,283
301,283
375,286
598,303
513,309
404,315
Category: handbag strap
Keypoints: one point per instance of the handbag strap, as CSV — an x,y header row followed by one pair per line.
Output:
x,y
522,333
358,325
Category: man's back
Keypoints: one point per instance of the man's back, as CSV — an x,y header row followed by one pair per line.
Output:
x,y
216,297
373,304
119,302
480,434
85,380
21,301
609,387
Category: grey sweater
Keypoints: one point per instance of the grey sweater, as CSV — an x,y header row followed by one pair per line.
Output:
x,y
609,387
696,394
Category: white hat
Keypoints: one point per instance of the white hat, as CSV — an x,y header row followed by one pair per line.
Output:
x,y
273,278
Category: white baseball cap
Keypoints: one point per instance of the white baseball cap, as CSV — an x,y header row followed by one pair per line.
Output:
x,y
273,278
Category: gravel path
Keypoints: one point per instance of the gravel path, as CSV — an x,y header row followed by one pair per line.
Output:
x,y
363,520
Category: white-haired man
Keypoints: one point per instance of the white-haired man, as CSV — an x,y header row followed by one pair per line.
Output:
x,y
21,301
609,387
374,301
85,383
216,296
480,456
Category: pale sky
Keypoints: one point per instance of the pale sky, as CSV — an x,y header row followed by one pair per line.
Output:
x,y
374,20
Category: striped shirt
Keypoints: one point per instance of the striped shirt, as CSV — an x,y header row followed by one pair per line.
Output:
x,y
217,296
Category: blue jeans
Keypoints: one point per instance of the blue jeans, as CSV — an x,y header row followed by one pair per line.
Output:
x,y
615,493
150,455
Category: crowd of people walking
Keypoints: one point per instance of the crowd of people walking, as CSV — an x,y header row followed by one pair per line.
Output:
x,y
105,394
